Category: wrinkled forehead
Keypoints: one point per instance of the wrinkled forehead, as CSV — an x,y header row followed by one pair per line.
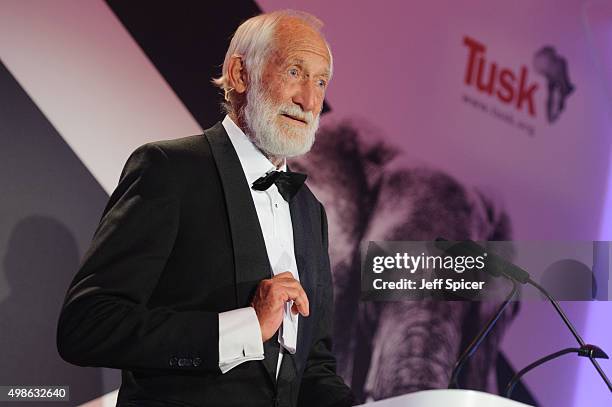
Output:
x,y
293,35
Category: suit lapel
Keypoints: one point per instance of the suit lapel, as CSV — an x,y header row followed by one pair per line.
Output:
x,y
304,256
251,262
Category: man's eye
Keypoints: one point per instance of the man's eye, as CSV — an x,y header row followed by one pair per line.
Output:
x,y
322,83
293,72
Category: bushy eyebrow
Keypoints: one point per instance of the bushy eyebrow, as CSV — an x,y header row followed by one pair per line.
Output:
x,y
300,62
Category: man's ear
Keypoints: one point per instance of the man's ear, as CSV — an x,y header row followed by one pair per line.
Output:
x,y
237,75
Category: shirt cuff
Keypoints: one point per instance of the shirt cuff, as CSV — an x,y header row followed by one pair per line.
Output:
x,y
239,338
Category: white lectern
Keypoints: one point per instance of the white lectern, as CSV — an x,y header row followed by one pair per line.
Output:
x,y
446,398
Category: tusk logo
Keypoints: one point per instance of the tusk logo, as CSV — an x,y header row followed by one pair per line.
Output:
x,y
509,87
515,88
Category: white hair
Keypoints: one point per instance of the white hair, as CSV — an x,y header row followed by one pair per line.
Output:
x,y
253,40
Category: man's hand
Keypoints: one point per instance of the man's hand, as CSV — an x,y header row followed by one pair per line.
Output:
x,y
270,298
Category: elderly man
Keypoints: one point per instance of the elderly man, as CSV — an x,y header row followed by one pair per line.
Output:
x,y
208,280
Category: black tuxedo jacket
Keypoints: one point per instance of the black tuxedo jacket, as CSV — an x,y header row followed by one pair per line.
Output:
x,y
179,242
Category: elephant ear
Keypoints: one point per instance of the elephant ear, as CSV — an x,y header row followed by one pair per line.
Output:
x,y
495,223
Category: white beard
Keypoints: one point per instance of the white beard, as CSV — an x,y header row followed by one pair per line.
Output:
x,y
276,139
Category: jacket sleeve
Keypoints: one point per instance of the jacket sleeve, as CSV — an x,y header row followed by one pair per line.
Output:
x,y
105,320
321,385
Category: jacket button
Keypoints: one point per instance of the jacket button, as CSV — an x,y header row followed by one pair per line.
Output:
x,y
173,361
182,362
197,362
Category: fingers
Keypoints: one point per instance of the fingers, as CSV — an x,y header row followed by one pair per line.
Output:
x,y
283,274
290,289
295,309
270,298
299,298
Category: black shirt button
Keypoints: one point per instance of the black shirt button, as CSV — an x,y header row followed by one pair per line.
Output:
x,y
197,362
173,361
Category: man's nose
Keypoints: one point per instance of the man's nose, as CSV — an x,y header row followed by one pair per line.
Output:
x,y
307,98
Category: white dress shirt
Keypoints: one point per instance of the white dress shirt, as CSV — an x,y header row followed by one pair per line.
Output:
x,y
239,331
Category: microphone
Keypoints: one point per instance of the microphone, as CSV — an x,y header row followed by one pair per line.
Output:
x,y
498,266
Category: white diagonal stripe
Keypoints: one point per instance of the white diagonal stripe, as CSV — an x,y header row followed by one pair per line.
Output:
x,y
91,80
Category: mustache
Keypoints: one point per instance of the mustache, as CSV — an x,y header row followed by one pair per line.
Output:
x,y
297,113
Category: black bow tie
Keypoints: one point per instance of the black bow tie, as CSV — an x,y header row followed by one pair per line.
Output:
x,y
288,183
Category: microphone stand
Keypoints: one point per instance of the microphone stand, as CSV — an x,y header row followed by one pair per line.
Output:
x,y
590,351
583,346
516,274
473,347
454,249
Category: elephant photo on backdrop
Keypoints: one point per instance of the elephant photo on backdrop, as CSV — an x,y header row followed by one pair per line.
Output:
x,y
371,193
